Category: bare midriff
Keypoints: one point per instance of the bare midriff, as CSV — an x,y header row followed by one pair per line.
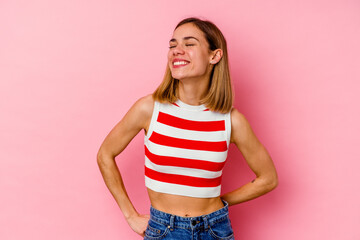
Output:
x,y
182,205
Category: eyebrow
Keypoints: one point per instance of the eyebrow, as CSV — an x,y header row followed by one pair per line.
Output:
x,y
185,38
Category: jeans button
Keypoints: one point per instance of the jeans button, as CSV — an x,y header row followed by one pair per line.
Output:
x,y
193,222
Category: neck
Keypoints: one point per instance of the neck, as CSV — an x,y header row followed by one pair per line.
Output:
x,y
192,91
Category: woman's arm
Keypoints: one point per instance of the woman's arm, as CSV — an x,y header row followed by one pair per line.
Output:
x,y
137,118
256,157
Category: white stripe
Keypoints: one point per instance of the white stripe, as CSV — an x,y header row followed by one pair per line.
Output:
x,y
177,189
185,153
196,116
190,134
153,118
193,172
228,127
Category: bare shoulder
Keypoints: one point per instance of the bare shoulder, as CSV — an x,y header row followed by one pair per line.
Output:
x,y
237,119
145,105
128,127
239,125
143,109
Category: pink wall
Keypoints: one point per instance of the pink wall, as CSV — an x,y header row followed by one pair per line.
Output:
x,y
69,71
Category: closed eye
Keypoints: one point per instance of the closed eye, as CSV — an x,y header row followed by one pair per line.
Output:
x,y
188,45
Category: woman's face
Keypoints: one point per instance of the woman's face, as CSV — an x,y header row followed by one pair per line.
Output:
x,y
189,56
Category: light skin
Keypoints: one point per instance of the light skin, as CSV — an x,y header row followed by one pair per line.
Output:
x,y
188,43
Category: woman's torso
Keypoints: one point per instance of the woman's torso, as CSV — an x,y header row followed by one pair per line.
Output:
x,y
182,205
185,206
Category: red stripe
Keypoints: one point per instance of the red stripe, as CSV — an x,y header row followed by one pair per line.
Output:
x,y
182,180
183,162
175,104
190,124
158,138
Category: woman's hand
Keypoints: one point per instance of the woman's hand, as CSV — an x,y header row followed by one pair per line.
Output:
x,y
138,223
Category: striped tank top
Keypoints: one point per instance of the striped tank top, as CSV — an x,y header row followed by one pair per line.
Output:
x,y
186,148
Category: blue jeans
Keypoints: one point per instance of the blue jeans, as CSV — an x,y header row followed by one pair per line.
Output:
x,y
215,225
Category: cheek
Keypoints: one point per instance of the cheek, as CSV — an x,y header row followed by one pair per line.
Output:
x,y
168,59
201,57
202,62
169,55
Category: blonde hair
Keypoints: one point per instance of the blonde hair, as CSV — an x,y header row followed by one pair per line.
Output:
x,y
220,95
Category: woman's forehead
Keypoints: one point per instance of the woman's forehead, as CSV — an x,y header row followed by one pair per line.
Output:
x,y
187,31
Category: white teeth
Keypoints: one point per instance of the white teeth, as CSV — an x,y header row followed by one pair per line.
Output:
x,y
180,63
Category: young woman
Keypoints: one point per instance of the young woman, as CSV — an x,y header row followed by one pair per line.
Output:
x,y
189,123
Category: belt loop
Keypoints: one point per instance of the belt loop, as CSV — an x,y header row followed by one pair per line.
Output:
x,y
206,223
172,218
226,204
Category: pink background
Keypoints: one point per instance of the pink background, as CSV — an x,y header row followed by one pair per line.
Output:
x,y
70,70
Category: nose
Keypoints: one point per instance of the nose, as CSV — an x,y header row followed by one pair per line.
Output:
x,y
178,50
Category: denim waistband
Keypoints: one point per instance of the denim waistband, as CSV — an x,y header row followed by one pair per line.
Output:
x,y
172,220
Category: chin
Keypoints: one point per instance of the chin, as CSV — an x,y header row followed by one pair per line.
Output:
x,y
178,76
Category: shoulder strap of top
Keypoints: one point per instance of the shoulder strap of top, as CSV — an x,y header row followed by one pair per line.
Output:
x,y
153,118
228,127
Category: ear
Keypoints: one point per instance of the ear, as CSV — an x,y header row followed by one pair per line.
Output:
x,y
216,56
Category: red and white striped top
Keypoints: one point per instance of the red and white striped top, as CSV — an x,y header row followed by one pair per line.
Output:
x,y
186,148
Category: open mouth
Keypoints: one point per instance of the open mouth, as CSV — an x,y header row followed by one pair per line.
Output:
x,y
180,63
